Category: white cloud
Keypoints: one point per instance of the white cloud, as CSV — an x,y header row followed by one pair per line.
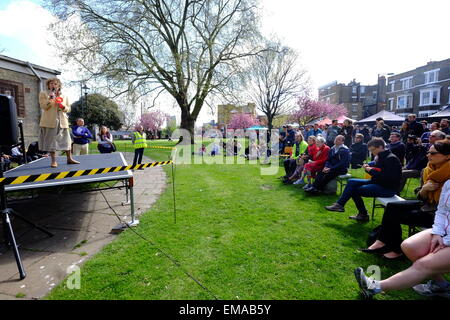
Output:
x,y
26,23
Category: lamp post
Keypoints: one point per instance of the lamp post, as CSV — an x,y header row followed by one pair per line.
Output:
x,y
85,88
378,89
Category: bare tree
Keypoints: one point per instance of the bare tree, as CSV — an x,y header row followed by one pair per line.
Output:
x,y
274,81
186,48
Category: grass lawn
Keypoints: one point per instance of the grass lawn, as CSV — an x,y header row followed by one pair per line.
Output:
x,y
242,235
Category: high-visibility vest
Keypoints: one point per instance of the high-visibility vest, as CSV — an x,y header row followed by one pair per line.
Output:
x,y
139,140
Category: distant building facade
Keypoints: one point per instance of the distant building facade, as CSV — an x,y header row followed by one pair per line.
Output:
x,y
24,81
360,100
225,112
423,91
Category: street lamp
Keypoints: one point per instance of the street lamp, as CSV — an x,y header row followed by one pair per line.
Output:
x,y
85,88
378,88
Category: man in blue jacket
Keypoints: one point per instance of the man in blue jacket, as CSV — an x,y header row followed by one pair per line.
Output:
x,y
336,165
81,136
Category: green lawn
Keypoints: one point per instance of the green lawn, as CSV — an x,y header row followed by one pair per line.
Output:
x,y
242,235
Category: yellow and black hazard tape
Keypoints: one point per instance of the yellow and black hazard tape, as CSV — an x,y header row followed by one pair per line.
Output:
x,y
77,173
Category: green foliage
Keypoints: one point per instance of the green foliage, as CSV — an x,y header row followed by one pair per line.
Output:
x,y
98,110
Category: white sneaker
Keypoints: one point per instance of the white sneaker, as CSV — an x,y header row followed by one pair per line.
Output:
x,y
299,182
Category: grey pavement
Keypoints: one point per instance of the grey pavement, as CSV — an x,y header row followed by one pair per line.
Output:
x,y
81,224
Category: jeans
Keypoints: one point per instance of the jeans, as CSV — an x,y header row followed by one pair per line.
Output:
x,y
358,188
138,156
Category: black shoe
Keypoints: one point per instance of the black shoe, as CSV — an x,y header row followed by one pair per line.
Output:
x,y
360,217
381,250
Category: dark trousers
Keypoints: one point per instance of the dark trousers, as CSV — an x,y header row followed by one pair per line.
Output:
x,y
289,166
138,156
358,188
322,179
398,213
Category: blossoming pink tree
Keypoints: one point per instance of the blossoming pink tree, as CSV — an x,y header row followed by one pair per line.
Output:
x,y
242,121
309,110
152,121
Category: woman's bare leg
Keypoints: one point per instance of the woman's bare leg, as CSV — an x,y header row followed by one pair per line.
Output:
x,y
430,266
418,246
53,158
71,160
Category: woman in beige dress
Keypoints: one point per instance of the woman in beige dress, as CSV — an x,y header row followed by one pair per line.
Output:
x,y
54,127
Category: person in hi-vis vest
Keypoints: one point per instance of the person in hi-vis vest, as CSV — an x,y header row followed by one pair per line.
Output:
x,y
139,143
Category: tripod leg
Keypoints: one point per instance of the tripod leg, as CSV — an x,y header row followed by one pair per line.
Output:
x,y
5,231
10,234
15,214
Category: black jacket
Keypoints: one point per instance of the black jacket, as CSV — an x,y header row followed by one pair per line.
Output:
x,y
415,128
387,171
359,153
399,149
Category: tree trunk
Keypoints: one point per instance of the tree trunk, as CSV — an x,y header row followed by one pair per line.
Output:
x,y
188,123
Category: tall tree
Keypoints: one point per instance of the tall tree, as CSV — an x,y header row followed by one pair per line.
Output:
x,y
97,109
187,48
309,110
275,80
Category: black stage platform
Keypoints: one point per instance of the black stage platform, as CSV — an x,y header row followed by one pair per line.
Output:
x,y
92,161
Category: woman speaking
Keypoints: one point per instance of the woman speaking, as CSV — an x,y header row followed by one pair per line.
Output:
x,y
54,127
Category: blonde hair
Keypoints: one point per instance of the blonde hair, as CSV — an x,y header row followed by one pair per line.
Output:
x,y
47,83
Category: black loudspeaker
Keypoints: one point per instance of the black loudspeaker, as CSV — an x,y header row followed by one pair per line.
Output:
x,y
8,121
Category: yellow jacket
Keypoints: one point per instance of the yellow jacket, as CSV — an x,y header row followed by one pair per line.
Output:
x,y
50,112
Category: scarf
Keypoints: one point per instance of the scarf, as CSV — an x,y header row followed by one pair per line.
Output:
x,y
438,175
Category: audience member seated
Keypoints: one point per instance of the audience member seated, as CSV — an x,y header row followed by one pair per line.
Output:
x,y
359,151
33,152
336,165
299,174
429,251
416,156
5,162
425,138
386,171
397,147
416,213
317,162
290,164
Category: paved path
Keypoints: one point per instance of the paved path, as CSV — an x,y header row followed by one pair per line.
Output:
x,y
81,223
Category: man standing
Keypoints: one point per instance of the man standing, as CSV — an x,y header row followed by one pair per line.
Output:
x,y
386,171
81,136
315,131
332,132
139,142
358,151
414,128
397,147
445,126
337,164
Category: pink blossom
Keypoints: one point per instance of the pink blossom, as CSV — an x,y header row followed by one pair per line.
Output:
x,y
242,121
152,121
309,110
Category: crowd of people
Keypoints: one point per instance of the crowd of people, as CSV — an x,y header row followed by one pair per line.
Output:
x,y
319,155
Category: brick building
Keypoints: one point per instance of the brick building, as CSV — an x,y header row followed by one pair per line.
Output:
x,y
360,100
24,81
226,111
423,91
